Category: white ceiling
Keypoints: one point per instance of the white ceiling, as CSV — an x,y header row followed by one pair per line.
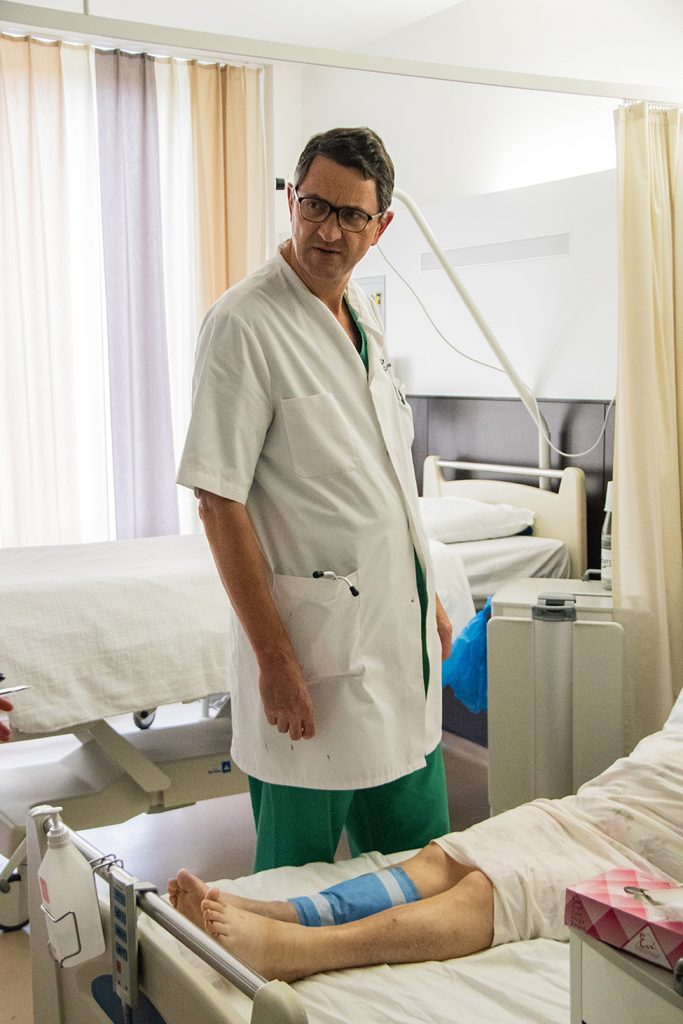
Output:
x,y
344,25
638,41
334,24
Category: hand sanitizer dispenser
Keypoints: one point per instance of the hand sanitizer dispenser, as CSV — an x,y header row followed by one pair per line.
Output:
x,y
69,900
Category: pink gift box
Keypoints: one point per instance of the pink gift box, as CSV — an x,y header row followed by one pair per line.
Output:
x,y
649,927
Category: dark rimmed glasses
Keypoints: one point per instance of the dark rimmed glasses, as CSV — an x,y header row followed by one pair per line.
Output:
x,y
317,210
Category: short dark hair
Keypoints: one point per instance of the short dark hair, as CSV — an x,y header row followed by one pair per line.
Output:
x,y
360,148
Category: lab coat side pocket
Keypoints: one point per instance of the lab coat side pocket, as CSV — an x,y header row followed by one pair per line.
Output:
x,y
322,619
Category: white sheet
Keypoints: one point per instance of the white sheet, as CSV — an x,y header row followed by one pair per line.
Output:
x,y
102,629
452,584
524,983
630,816
491,563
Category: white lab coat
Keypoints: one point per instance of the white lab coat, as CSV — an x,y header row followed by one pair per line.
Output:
x,y
286,420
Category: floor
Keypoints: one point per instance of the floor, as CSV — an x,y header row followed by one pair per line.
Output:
x,y
215,838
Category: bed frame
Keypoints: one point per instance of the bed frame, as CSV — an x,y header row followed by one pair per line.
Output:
x,y
560,514
63,995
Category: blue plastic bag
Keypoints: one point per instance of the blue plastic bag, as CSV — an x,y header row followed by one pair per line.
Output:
x,y
465,670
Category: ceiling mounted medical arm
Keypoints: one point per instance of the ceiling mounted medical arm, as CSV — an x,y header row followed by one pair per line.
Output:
x,y
494,345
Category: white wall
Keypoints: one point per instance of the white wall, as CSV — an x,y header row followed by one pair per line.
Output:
x,y
469,155
554,317
450,139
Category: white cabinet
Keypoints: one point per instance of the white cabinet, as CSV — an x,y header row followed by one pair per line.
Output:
x,y
609,986
555,689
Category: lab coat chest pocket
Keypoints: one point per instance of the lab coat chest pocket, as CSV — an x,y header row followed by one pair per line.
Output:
x,y
318,435
322,619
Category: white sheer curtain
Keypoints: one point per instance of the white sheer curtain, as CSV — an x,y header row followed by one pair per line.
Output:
x,y
55,461
183,312
648,530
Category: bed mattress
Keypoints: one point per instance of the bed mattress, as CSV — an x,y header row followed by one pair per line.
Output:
x,y
489,564
103,629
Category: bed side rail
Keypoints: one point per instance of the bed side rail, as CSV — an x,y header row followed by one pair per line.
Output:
x,y
433,477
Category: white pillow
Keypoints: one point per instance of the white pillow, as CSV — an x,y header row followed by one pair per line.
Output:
x,y
456,519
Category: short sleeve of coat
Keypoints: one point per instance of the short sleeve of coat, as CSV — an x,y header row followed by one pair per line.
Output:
x,y
231,409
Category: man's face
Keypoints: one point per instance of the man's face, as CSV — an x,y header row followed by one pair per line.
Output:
x,y
323,253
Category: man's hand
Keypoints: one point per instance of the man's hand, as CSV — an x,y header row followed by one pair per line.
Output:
x,y
5,734
286,700
284,693
444,629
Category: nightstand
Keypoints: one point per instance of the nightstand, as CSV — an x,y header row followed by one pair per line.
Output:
x,y
609,986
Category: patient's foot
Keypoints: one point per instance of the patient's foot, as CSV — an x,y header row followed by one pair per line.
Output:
x,y
186,893
274,949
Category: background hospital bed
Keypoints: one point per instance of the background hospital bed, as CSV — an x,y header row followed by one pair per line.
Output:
x,y
100,631
96,631
557,547
514,984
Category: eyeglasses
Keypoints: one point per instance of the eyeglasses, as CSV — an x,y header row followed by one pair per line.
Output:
x,y
349,218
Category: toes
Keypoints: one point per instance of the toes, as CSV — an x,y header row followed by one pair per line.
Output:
x,y
215,925
186,880
212,905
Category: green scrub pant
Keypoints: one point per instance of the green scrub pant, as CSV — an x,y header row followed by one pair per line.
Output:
x,y
295,825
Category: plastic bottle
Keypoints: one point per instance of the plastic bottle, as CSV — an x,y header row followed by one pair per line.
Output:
x,y
69,897
606,542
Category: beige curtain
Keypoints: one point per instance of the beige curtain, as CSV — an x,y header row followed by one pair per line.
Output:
x,y
230,175
648,533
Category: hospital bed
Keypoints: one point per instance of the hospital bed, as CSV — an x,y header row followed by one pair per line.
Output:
x,y
557,546
513,984
104,634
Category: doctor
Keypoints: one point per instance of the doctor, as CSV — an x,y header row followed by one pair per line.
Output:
x,y
299,451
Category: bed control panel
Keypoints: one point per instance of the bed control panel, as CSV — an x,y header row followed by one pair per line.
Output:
x,y
123,892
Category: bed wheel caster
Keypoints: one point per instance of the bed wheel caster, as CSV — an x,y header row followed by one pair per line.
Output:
x,y
143,719
13,903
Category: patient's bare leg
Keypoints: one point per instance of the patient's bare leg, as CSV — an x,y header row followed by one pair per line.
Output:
x,y
431,870
450,924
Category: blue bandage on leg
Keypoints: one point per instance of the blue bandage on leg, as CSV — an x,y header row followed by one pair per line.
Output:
x,y
356,897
